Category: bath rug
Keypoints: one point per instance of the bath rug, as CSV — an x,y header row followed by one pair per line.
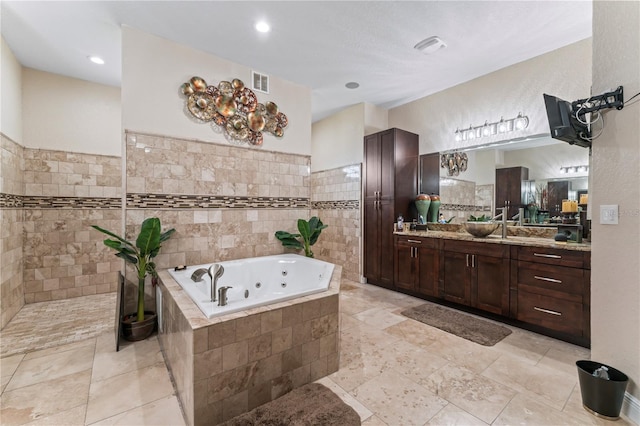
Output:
x,y
311,405
459,323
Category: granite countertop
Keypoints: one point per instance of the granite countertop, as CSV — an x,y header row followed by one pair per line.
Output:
x,y
532,241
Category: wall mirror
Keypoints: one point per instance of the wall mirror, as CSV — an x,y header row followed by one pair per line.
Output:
x,y
535,173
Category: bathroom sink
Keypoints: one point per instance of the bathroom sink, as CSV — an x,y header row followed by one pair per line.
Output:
x,y
480,229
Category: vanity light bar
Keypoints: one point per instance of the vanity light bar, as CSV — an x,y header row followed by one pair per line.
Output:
x,y
521,122
574,169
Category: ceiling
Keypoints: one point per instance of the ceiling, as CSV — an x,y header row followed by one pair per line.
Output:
x,y
319,44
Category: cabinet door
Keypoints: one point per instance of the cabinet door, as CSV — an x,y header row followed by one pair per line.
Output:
x,y
557,191
490,284
509,188
457,286
387,165
405,266
386,249
371,235
428,271
372,168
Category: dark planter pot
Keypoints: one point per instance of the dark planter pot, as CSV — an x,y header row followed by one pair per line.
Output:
x,y
134,331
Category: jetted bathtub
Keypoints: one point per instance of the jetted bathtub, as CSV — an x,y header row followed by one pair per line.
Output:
x,y
256,282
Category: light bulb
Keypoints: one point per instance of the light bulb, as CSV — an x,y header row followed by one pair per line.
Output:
x,y
502,126
458,135
521,122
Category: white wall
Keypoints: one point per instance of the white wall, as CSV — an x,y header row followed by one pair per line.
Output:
x,y
67,114
376,119
10,94
504,93
545,162
154,69
338,140
615,276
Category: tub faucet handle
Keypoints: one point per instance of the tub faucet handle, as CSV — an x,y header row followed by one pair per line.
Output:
x,y
222,295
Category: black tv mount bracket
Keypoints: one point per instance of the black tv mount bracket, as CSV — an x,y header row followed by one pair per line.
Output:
x,y
596,103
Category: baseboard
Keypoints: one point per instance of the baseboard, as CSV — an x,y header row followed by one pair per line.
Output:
x,y
631,408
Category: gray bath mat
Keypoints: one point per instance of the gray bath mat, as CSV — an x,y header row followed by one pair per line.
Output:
x,y
455,322
312,404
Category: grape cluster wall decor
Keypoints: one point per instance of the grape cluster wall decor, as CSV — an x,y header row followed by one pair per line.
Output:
x,y
234,108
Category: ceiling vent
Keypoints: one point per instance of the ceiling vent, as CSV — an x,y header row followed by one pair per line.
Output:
x,y
430,45
259,82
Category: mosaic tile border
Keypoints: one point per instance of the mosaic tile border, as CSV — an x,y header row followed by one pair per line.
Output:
x,y
169,201
336,205
464,207
10,201
46,202
160,201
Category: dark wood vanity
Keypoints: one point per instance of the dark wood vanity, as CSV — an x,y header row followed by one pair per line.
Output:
x,y
528,282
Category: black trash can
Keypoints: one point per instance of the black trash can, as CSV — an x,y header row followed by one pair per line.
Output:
x,y
602,397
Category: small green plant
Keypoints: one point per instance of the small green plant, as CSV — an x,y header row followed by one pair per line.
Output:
x,y
309,233
482,218
140,254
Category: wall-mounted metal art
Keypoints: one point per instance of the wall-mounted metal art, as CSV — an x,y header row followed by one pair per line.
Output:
x,y
454,162
235,109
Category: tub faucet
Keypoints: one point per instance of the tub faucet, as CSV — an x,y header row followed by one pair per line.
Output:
x,y
222,296
197,274
215,271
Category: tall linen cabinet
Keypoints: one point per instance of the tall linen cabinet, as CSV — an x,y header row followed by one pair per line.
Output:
x,y
390,187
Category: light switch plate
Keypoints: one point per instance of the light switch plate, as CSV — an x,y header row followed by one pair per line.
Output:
x,y
609,214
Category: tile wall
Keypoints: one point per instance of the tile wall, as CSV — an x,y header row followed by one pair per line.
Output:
x,y
11,217
66,193
335,199
225,202
461,198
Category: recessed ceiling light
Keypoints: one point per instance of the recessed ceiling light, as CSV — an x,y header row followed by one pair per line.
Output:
x,y
263,27
96,60
352,85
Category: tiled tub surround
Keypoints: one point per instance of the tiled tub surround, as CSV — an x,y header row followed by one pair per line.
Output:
x,y
335,199
228,365
225,202
11,217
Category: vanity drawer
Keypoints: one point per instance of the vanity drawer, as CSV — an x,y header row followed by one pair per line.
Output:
x,y
549,312
548,277
417,241
551,256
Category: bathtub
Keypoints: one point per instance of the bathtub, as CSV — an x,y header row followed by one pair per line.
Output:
x,y
256,282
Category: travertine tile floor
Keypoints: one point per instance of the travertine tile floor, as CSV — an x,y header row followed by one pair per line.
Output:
x,y
394,371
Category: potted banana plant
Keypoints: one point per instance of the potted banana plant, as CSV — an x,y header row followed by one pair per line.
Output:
x,y
309,233
139,325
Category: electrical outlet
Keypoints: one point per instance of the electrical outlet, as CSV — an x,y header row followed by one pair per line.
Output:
x,y
609,214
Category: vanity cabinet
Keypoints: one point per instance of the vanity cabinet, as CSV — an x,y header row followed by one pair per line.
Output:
x,y
509,189
390,185
553,290
477,275
417,265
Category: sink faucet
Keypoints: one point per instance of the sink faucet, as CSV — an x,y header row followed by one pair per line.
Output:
x,y
519,216
503,215
218,270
